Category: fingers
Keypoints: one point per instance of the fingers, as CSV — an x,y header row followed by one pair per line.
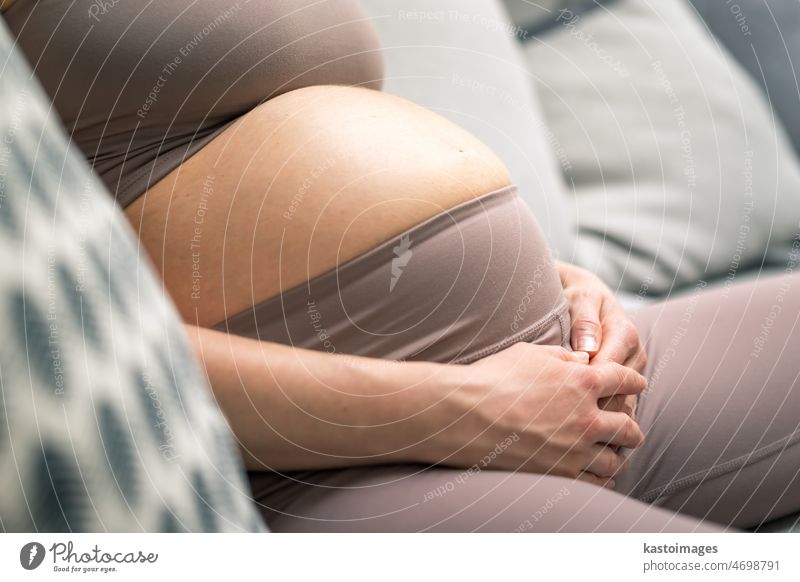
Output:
x,y
619,403
621,343
638,361
609,379
564,354
617,429
577,357
595,480
605,462
586,330
523,350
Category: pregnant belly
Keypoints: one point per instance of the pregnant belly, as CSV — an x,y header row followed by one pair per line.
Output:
x,y
300,185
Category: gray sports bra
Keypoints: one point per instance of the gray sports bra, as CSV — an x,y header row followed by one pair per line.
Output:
x,y
143,84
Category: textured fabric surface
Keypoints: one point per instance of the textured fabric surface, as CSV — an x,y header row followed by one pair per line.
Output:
x,y
141,85
677,166
721,413
106,422
461,285
764,36
461,58
537,16
722,442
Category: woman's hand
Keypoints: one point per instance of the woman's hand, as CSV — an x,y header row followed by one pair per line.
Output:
x,y
531,408
601,328
538,406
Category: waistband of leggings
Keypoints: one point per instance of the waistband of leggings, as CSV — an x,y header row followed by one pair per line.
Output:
x,y
328,281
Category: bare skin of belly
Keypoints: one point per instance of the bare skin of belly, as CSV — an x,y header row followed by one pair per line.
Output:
x,y
299,185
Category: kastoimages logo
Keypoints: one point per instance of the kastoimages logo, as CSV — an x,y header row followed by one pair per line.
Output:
x,y
31,555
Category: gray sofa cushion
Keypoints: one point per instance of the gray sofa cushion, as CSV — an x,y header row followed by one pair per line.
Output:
x,y
537,16
677,167
461,58
764,36
106,422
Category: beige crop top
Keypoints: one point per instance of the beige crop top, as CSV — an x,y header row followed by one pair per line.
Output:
x,y
143,84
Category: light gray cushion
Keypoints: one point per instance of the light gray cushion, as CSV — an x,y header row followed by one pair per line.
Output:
x,y
764,36
675,161
106,422
536,16
461,58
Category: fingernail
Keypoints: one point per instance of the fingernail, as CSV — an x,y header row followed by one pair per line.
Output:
x,y
587,343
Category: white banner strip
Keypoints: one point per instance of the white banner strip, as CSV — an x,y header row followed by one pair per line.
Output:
x,y
406,558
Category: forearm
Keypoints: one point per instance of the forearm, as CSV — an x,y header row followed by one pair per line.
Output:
x,y
5,5
297,409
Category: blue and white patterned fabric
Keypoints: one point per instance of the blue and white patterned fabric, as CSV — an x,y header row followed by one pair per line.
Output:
x,y
106,422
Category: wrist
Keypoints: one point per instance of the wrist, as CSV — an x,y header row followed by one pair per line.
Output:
x,y
445,400
419,410
381,404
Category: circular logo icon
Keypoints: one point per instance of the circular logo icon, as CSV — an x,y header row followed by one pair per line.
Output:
x,y
31,555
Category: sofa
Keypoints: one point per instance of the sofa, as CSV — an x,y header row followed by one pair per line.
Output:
x,y
653,139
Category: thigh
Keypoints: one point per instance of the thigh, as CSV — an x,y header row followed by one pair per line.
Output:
x,y
721,414
411,498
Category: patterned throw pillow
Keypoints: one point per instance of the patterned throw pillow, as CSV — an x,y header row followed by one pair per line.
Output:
x,y
106,422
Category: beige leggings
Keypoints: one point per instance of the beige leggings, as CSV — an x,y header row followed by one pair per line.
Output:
x,y
722,423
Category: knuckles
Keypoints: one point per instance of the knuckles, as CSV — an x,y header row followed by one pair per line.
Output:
x,y
595,379
590,425
583,295
631,334
632,433
590,379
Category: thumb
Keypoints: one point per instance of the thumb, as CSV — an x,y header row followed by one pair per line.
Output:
x,y
585,331
568,355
